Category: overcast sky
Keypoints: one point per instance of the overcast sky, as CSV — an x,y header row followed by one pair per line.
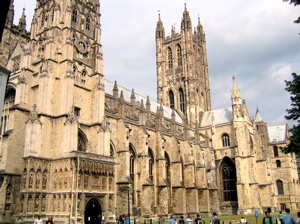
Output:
x,y
254,40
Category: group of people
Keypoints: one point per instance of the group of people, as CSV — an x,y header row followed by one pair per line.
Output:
x,y
40,221
197,220
284,219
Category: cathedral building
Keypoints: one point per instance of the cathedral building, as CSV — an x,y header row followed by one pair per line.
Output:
x,y
78,147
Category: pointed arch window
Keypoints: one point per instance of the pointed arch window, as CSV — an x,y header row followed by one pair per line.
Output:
x,y
278,163
171,97
225,140
74,16
228,183
111,150
279,185
167,167
179,55
131,162
151,163
275,150
182,100
88,23
9,101
83,77
170,58
182,171
81,144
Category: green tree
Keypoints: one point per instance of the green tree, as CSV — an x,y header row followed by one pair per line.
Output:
x,y
295,2
293,87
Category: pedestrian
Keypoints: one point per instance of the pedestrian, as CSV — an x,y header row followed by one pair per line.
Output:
x,y
215,219
280,216
198,220
49,221
267,219
121,219
181,220
171,220
287,218
38,220
298,220
189,220
271,214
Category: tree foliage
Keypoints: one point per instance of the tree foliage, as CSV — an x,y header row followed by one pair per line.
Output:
x,y
294,2
293,87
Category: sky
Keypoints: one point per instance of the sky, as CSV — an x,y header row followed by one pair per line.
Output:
x,y
254,40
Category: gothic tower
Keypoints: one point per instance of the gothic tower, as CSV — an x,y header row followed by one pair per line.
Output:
x,y
56,127
182,70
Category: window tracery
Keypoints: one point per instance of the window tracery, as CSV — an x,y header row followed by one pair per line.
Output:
x,y
170,58
179,55
225,140
182,100
228,183
279,185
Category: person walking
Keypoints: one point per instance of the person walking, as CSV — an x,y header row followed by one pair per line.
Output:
x,y
280,216
287,218
171,221
267,219
181,220
198,220
215,219
189,220
298,220
38,220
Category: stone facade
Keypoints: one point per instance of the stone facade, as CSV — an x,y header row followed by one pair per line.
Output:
x,y
76,146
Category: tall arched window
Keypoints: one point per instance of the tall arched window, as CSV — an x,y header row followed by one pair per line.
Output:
x,y
225,140
228,183
279,185
182,170
131,162
81,145
179,55
9,101
170,58
83,77
167,167
88,23
182,100
278,163
151,162
171,96
111,150
74,16
275,150
131,170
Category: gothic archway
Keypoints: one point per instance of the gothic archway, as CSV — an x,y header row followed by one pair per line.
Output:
x,y
228,180
93,212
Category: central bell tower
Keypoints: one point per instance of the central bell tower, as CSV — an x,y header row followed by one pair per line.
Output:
x,y
182,69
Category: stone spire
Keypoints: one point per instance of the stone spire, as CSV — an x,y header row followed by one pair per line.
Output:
x,y
258,117
22,22
186,20
237,102
235,94
199,27
160,31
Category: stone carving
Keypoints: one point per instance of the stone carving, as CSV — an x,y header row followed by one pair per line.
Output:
x,y
72,118
33,116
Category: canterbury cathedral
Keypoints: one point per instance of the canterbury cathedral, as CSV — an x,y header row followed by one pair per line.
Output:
x,y
80,148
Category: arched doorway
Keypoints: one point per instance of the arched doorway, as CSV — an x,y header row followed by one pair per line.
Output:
x,y
93,212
